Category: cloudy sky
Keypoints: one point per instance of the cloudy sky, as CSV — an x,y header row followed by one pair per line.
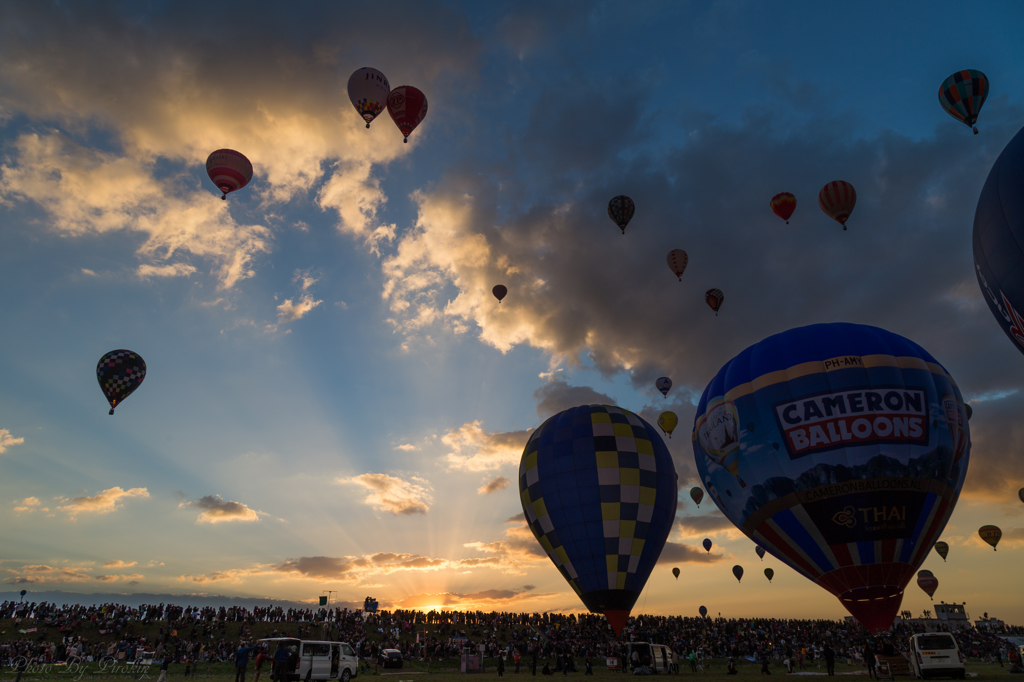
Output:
x,y
335,401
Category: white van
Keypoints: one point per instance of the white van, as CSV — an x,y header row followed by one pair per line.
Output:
x,y
658,657
935,654
313,660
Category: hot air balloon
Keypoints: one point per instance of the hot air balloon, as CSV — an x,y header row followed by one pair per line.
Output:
x,y
969,410
837,200
598,488
991,535
963,94
703,611
119,373
942,549
368,89
738,572
714,298
769,573
499,291
621,210
696,494
851,408
663,384
760,552
927,582
1020,494
677,260
707,545
229,170
668,422
783,205
408,107
675,572
998,236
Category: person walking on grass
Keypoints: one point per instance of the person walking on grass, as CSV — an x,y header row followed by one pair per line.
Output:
x,y
163,668
242,662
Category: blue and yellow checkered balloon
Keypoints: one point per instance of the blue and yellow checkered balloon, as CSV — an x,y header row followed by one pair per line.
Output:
x,y
598,488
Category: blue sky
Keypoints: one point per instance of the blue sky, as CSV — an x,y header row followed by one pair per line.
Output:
x,y
323,348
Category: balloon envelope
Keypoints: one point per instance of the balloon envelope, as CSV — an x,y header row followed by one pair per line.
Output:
x,y
1020,494
703,611
760,552
499,291
677,260
837,200
738,572
942,549
855,462
998,240
714,298
927,582
621,210
783,205
962,95
119,373
408,107
229,170
668,422
598,488
990,534
675,572
707,545
769,573
696,494
368,89
664,384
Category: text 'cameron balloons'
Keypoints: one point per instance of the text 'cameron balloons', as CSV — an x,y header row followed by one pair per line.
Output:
x,y
738,572
663,384
499,291
927,582
998,236
942,549
598,488
714,298
119,373
854,463
668,422
621,210
696,494
229,170
760,552
703,611
675,572
963,94
368,89
408,107
783,205
991,535
707,545
677,260
837,200
769,573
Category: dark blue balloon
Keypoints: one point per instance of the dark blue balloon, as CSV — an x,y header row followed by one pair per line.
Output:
x,y
999,240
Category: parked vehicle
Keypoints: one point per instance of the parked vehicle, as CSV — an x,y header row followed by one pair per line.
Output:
x,y
309,660
389,658
935,654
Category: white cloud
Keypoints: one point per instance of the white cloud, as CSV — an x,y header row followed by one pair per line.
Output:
x,y
145,271
7,440
290,312
103,502
392,494
217,510
494,485
474,449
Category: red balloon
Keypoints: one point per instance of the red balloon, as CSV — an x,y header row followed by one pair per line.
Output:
x,y
407,106
783,205
837,200
927,582
229,170
677,260
714,298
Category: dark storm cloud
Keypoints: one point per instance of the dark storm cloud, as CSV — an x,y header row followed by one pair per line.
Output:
x,y
557,395
996,470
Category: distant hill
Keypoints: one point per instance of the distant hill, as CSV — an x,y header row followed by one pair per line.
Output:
x,y
133,599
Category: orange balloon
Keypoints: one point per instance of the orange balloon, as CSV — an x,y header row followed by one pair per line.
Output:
x,y
837,200
783,205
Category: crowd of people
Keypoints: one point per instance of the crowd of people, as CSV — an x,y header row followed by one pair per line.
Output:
x,y
195,635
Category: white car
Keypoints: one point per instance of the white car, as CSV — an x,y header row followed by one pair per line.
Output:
x,y
935,654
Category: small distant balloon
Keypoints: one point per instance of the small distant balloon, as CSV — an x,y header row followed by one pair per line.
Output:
x,y
408,107
368,89
927,582
760,552
499,291
963,94
942,549
969,410
738,572
714,298
768,573
1020,494
703,611
668,422
677,260
621,210
24,592
697,494
783,205
664,384
837,200
675,572
119,373
707,545
991,535
229,170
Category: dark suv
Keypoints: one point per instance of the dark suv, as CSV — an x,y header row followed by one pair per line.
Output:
x,y
390,658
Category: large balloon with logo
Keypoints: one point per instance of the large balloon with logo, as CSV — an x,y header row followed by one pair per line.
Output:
x,y
998,236
841,449
598,488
